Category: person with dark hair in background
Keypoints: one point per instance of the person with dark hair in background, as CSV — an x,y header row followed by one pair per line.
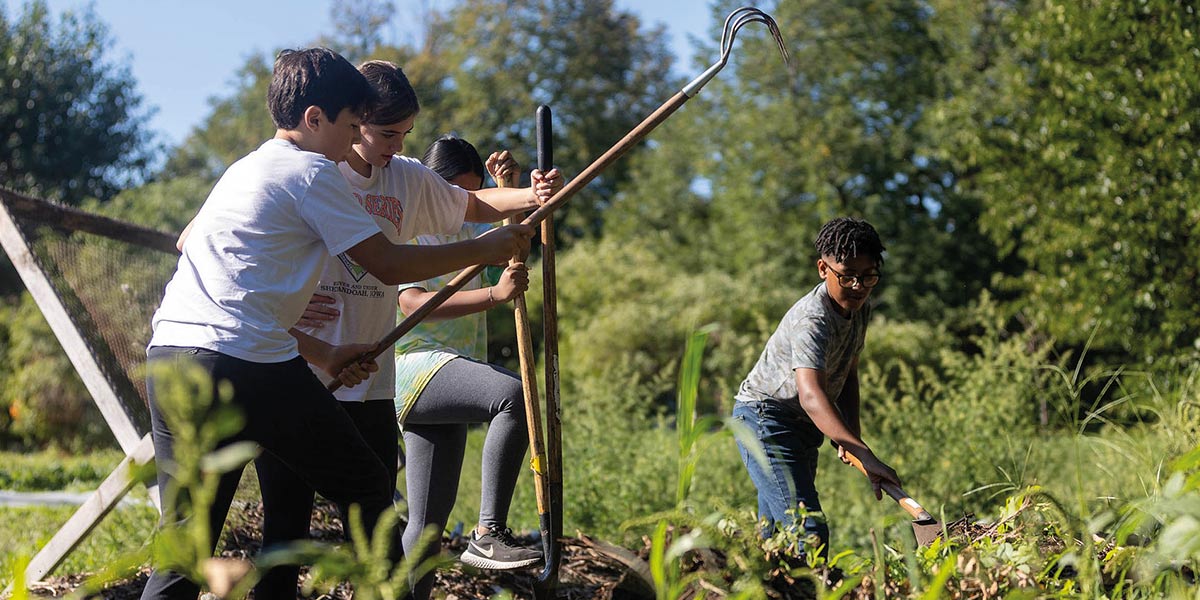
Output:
x,y
443,383
804,386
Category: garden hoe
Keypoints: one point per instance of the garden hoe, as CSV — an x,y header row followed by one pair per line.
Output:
x,y
925,527
734,22
551,531
533,418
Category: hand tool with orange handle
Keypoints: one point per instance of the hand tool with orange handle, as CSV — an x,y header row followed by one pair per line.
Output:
x,y
925,527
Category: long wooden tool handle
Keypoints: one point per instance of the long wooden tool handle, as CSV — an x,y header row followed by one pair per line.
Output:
x,y
417,316
910,505
546,583
545,158
586,176
533,419
630,140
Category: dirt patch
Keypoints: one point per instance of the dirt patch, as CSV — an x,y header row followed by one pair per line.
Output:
x,y
587,571
595,570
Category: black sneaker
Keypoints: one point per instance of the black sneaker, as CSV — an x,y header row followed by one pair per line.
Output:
x,y
497,549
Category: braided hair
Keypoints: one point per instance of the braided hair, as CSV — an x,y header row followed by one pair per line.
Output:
x,y
847,237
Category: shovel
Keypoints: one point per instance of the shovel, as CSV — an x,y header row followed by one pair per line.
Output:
x,y
547,582
925,527
533,417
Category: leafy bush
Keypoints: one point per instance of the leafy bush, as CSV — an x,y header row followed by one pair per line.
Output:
x,y
43,400
624,314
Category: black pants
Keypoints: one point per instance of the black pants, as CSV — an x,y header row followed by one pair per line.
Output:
x,y
288,498
292,417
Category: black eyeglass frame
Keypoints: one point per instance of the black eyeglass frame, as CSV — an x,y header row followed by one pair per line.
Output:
x,y
852,279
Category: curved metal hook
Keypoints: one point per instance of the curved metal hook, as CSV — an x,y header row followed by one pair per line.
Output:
x,y
735,21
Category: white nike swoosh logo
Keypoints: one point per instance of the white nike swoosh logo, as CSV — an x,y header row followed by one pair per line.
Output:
x,y
488,553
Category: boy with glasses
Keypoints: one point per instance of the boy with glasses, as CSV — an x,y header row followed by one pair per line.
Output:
x,y
804,386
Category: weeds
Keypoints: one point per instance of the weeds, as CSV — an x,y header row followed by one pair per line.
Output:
x,y
1091,546
1104,503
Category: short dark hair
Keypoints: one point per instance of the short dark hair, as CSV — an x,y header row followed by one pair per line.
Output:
x,y
847,237
395,98
451,156
315,77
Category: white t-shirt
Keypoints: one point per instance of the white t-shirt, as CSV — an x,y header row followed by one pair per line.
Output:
x,y
251,260
407,199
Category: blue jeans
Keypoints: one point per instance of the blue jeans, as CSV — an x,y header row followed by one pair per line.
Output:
x,y
786,483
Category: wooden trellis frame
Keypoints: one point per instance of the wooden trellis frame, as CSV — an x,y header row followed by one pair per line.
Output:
x,y
115,395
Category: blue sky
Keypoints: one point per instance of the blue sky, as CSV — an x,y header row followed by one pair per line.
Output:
x,y
183,53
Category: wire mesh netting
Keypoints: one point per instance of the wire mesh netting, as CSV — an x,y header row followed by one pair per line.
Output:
x,y
108,274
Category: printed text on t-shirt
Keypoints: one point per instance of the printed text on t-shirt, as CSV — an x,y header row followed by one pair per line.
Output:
x,y
352,289
387,207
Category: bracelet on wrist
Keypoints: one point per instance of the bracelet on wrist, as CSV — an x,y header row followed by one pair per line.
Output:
x,y
490,297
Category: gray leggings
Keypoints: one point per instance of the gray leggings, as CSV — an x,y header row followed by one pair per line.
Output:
x,y
463,391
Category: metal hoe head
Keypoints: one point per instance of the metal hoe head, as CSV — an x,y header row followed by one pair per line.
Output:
x,y
926,531
925,527
734,22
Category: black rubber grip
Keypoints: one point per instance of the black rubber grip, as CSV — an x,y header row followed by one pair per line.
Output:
x,y
545,139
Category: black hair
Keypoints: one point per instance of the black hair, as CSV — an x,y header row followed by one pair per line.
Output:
x,y
396,100
452,156
315,77
847,237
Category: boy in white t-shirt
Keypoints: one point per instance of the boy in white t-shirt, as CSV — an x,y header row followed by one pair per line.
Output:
x,y
250,262
406,200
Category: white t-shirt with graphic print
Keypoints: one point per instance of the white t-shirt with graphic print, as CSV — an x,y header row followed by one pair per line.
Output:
x,y
406,199
251,260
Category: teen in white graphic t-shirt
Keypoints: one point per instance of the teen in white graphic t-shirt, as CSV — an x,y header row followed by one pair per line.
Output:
x,y
406,200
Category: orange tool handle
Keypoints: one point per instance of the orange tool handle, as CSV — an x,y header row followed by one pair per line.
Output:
x,y
911,506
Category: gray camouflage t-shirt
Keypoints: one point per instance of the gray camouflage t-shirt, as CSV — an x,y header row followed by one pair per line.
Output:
x,y
812,335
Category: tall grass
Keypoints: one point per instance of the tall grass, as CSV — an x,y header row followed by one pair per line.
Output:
x,y
1059,502
1100,502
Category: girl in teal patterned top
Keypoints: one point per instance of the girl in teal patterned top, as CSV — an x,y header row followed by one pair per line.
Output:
x,y
443,384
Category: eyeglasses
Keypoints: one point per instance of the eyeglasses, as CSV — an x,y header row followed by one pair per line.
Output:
x,y
868,281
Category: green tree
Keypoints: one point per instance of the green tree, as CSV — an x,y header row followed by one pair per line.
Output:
x,y
600,71
43,400
71,121
1086,159
358,27
747,172
482,69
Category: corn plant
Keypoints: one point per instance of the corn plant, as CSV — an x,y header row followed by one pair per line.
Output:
x,y
689,427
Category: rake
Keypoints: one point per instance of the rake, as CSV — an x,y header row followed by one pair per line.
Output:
x,y
733,23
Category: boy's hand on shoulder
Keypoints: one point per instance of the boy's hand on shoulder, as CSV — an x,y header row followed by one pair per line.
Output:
x,y
546,185
503,243
318,311
501,165
356,371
